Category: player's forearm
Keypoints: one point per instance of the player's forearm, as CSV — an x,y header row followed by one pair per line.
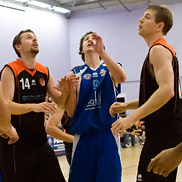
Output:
x,y
71,104
55,132
159,98
116,70
17,109
132,105
61,101
5,124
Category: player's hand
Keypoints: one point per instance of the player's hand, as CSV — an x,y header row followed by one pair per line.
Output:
x,y
11,134
98,46
63,85
165,162
117,107
73,82
120,125
46,107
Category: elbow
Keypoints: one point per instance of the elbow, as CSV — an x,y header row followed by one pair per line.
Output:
x,y
169,94
122,78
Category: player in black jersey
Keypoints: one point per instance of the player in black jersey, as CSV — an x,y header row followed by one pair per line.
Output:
x,y
25,83
159,103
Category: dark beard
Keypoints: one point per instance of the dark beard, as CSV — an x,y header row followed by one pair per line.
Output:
x,y
35,51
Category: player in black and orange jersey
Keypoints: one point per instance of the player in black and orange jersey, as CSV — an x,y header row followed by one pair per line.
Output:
x,y
159,101
24,84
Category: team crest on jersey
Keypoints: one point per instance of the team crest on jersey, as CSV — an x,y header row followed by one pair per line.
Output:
x,y
87,76
102,72
42,82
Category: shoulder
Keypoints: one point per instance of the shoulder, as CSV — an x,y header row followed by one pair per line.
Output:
x,y
159,52
42,68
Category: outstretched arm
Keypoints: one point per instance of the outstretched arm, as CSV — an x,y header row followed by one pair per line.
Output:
x,y
117,72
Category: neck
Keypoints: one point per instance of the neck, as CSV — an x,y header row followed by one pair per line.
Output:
x,y
150,40
29,62
92,60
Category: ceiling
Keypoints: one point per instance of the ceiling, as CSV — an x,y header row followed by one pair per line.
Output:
x,y
81,5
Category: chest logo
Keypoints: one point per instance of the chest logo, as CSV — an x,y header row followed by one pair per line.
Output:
x,y
87,76
42,82
102,72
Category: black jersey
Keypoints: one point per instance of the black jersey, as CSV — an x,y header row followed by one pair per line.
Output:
x,y
30,87
162,120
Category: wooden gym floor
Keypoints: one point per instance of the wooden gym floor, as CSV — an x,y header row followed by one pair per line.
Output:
x,y
130,157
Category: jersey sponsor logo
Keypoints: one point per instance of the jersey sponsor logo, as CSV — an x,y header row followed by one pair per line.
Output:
x,y
33,82
95,74
94,103
42,82
102,72
87,76
32,97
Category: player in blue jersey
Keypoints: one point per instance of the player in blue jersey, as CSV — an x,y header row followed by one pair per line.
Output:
x,y
95,150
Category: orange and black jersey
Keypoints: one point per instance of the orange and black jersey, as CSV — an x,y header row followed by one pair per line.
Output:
x,y
162,120
30,87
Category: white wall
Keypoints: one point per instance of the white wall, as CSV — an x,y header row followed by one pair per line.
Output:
x,y
51,30
119,31
59,38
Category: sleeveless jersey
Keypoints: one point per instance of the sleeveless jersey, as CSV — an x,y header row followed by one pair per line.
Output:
x,y
95,152
96,94
161,120
30,87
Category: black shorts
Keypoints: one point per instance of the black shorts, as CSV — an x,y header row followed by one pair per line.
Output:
x,y
26,163
151,148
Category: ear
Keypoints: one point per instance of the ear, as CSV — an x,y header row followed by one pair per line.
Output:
x,y
160,26
17,46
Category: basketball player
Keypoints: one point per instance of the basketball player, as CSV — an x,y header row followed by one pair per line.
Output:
x,y
25,83
95,151
159,103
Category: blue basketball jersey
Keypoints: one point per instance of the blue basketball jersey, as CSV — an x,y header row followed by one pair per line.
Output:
x,y
95,157
96,95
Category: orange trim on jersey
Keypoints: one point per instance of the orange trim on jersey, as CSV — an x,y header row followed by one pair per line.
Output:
x,y
163,42
18,67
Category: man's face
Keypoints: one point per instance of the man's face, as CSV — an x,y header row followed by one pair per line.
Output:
x,y
29,44
147,25
88,43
